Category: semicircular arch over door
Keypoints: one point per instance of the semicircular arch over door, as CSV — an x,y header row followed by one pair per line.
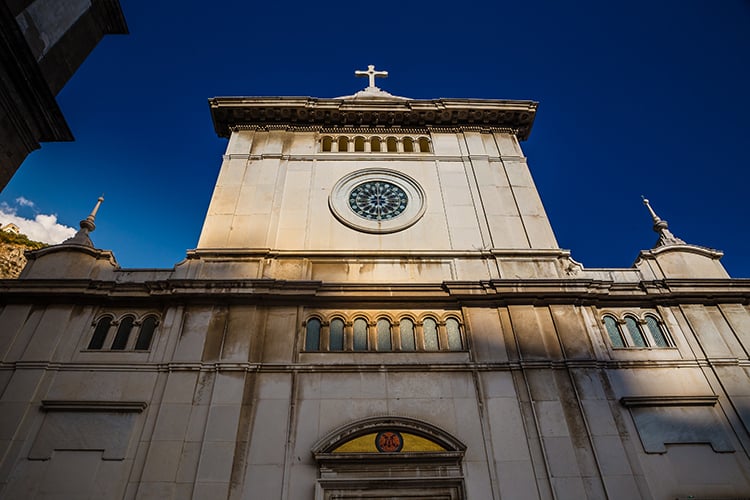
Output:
x,y
389,457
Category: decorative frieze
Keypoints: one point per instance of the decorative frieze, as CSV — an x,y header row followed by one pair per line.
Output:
x,y
230,112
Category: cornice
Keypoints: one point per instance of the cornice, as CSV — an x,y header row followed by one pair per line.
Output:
x,y
269,253
490,293
481,115
686,248
266,128
378,361
379,156
72,248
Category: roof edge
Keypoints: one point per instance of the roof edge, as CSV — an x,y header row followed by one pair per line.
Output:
x,y
230,112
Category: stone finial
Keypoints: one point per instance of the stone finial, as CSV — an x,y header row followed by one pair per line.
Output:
x,y
371,73
662,228
87,226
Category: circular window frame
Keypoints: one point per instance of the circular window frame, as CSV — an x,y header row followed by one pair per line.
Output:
x,y
338,201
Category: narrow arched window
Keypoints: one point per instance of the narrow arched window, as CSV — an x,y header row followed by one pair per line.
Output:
x,y
312,335
429,328
635,332
359,143
454,334
408,145
336,335
148,325
343,144
613,330
360,334
657,332
406,332
424,145
123,333
384,335
326,143
100,333
375,144
391,144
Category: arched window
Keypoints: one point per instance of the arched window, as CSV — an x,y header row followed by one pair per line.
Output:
x,y
635,332
375,144
326,143
312,336
336,335
610,323
360,334
657,332
384,335
429,328
454,334
343,144
391,144
406,331
424,145
408,145
148,325
123,333
100,333
359,143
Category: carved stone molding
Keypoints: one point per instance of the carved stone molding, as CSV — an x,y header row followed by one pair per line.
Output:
x,y
471,114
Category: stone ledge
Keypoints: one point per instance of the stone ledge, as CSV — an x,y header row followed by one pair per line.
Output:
x,y
639,401
69,405
377,363
229,112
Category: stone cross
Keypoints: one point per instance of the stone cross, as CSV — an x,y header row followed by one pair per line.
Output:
x,y
372,74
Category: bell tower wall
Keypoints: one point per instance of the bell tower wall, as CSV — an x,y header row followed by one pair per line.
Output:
x,y
371,190
275,186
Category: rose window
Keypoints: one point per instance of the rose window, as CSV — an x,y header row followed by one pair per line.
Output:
x,y
378,200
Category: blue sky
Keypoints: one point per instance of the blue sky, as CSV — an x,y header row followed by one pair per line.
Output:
x,y
635,98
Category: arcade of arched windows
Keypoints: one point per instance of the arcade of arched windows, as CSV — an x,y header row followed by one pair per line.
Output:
x,y
375,144
115,333
383,333
629,330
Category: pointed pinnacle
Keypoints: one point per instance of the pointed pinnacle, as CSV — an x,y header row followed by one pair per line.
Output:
x,y
659,223
87,226
88,222
662,228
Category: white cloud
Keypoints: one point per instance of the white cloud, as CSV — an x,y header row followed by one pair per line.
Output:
x,y
24,202
44,228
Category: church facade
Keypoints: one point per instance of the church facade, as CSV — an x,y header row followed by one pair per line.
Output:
x,y
377,308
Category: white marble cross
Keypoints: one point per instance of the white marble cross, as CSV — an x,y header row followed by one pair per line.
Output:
x,y
372,74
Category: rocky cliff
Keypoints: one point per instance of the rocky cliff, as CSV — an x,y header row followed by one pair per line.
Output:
x,y
12,247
